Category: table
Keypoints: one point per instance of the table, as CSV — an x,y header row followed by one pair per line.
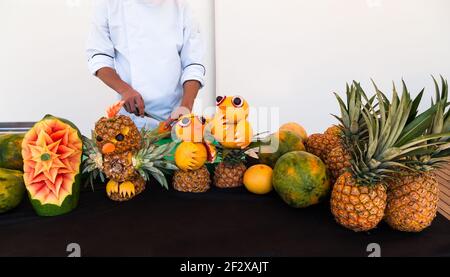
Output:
x,y
218,223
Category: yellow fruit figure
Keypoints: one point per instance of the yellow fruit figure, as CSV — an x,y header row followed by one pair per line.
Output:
x,y
233,136
232,109
258,179
190,156
191,128
295,128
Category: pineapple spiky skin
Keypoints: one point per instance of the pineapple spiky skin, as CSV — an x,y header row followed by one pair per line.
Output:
x,y
338,161
412,202
322,144
316,145
139,186
107,129
357,207
333,136
194,181
229,175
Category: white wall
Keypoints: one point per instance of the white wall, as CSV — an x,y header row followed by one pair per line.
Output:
x,y
43,66
293,54
289,54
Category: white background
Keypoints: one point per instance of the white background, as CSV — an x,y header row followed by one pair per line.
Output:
x,y
43,65
289,54
294,53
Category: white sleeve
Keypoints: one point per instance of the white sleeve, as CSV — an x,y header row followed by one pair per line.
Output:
x,y
192,53
99,48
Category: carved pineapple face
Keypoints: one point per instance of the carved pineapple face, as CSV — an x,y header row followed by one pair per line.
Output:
x,y
117,135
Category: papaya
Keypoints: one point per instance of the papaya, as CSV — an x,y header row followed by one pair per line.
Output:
x,y
12,189
10,151
281,143
301,179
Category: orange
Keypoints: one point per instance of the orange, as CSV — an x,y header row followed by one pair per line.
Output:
x,y
258,179
190,156
233,136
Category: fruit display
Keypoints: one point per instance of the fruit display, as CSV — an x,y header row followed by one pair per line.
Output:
x,y
295,128
377,163
51,152
126,156
234,134
12,189
281,142
301,179
192,154
382,149
11,151
258,179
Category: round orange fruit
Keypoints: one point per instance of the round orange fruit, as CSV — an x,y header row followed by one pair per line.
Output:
x,y
190,156
258,179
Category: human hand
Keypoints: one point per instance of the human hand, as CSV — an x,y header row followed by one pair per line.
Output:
x,y
134,103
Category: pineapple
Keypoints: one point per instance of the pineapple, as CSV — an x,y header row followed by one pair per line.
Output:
x,y
413,197
192,154
359,197
195,181
356,206
333,136
230,172
317,145
148,161
115,130
338,161
412,202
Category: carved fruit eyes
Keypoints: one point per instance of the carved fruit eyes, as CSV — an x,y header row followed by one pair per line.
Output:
x,y
185,122
120,137
99,139
220,99
237,102
202,120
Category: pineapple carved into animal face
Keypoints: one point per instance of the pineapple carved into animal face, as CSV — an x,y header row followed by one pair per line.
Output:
x,y
117,134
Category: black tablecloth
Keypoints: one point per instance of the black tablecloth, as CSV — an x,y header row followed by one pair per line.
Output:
x,y
218,223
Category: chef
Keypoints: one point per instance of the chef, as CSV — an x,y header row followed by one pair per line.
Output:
x,y
151,53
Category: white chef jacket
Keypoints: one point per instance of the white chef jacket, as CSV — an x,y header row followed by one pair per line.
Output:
x,y
154,46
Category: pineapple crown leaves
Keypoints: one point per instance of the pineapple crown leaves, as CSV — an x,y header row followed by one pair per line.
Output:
x,y
437,150
350,118
149,137
150,161
235,156
92,164
394,144
381,156
441,120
